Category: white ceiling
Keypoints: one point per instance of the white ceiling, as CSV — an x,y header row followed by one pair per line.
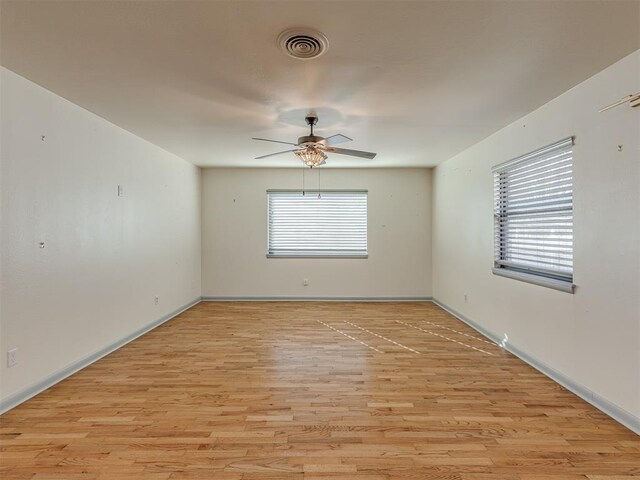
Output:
x,y
415,81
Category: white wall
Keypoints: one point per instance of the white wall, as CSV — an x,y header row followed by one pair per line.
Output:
x,y
234,236
105,257
593,336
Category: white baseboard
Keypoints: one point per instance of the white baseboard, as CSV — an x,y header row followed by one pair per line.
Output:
x,y
25,394
617,413
316,299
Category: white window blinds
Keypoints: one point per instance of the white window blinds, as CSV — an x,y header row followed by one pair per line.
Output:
x,y
332,224
533,213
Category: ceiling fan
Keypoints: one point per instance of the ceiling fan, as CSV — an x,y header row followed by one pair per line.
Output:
x,y
313,149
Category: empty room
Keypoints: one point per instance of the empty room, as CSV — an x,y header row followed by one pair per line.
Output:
x,y
320,240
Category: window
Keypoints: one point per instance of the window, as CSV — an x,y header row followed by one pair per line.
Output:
x,y
533,212
329,224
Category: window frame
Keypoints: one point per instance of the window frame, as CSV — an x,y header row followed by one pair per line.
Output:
x,y
537,275
307,255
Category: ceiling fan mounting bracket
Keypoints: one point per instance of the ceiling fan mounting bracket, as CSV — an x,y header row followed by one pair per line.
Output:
x,y
311,119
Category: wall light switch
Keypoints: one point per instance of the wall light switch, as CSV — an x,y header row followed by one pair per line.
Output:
x,y
120,191
305,282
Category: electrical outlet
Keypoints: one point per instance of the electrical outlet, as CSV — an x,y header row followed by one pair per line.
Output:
x,y
157,299
305,282
12,357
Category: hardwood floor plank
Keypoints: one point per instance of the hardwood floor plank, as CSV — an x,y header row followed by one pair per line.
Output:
x,y
285,390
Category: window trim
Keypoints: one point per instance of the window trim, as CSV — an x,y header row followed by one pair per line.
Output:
x,y
337,256
522,272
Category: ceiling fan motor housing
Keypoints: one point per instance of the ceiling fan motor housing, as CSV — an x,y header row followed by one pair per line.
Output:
x,y
311,139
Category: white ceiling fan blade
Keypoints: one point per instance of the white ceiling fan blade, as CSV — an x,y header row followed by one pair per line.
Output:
x,y
353,153
337,138
274,141
277,153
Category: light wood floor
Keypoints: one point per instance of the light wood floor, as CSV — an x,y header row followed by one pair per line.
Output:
x,y
241,391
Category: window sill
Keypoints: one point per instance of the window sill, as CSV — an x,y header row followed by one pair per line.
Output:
x,y
563,286
319,256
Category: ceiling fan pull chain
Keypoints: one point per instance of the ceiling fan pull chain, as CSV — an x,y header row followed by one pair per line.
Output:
x,y
319,195
303,169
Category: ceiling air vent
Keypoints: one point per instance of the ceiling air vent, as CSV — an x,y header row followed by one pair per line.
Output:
x,y
303,43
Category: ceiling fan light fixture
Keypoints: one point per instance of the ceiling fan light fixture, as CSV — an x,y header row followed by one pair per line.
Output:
x,y
311,156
